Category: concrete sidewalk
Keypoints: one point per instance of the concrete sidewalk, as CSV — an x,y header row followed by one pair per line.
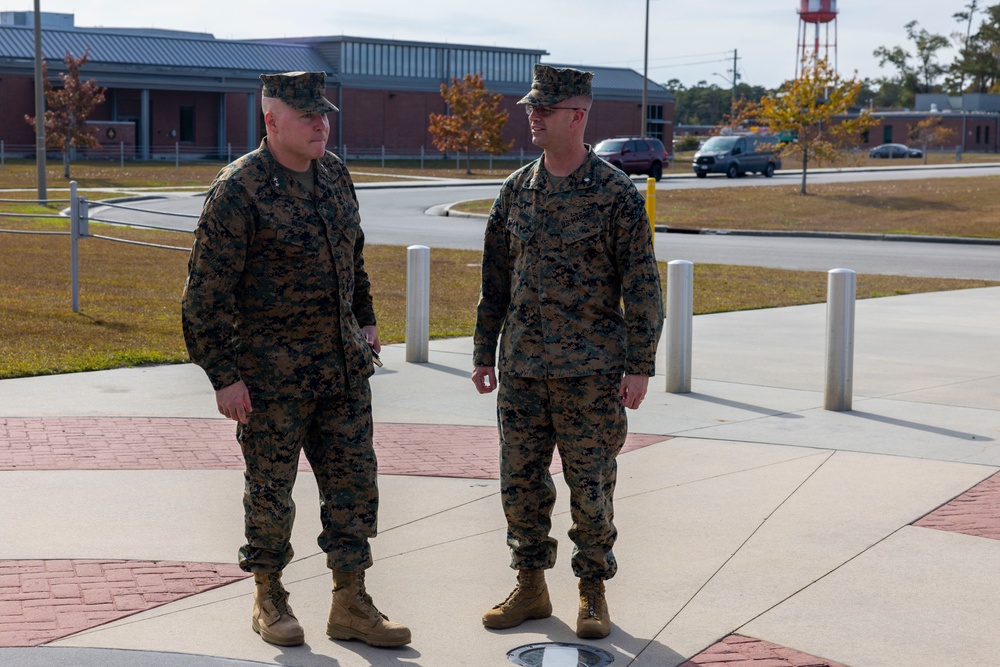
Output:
x,y
756,528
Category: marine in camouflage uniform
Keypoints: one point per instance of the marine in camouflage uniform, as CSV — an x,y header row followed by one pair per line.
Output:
x,y
562,256
278,300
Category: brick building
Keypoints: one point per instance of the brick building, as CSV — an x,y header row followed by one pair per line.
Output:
x,y
188,92
973,118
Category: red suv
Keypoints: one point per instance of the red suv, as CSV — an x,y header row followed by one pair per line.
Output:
x,y
635,155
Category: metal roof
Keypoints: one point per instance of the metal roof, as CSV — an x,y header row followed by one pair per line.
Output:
x,y
111,48
198,60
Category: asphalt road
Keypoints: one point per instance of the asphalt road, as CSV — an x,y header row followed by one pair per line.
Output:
x,y
407,216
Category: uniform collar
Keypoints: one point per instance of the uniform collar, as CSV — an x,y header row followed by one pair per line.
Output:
x,y
584,177
281,181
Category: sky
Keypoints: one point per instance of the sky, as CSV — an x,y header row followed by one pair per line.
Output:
x,y
689,40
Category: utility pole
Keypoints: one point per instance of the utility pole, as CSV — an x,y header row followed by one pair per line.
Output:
x,y
736,74
39,107
645,77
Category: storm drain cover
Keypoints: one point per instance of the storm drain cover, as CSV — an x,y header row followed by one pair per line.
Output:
x,y
556,654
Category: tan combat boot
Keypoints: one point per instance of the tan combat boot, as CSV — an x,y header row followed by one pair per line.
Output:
x,y
273,619
354,616
528,600
593,621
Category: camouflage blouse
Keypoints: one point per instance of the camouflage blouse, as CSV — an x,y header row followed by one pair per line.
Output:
x,y
277,290
569,276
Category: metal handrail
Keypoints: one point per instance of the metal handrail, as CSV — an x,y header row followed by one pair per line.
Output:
x,y
25,231
144,210
34,201
50,216
142,243
119,223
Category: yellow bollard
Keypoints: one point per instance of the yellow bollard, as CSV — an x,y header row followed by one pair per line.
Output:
x,y
651,205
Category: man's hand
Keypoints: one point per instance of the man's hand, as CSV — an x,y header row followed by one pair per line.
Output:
x,y
633,390
371,335
485,379
234,402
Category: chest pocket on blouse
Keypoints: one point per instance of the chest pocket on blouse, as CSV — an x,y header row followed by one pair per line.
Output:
x,y
282,243
521,223
294,239
581,225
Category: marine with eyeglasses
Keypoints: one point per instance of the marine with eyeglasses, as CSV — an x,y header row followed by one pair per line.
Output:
x,y
571,292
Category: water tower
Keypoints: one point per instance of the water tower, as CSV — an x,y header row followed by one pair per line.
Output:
x,y
817,13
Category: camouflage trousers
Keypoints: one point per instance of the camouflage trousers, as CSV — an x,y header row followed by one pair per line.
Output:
x,y
584,418
336,435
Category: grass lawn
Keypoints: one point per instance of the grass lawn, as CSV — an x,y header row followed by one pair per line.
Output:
x,y
966,206
130,295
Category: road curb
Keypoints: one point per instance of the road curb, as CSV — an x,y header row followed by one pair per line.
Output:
x,y
666,229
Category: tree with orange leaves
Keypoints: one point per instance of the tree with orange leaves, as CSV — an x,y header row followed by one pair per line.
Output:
x,y
930,131
806,107
68,109
474,121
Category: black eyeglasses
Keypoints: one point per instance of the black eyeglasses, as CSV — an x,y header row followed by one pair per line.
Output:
x,y
546,111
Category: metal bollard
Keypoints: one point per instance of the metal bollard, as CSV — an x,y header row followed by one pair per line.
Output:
x,y
841,292
418,303
680,312
74,254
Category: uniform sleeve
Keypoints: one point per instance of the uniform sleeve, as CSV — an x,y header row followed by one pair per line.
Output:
x,y
208,305
361,302
641,293
494,294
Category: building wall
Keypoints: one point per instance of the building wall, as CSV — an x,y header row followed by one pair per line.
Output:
x,y
980,131
369,119
397,120
236,122
18,95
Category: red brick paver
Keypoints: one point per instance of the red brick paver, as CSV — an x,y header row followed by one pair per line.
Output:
x,y
43,600
975,512
739,651
98,443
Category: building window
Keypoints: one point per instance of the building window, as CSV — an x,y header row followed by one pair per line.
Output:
x,y
986,134
864,137
654,121
979,134
187,123
887,134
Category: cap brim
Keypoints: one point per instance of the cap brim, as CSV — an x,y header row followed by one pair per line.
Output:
x,y
321,105
538,99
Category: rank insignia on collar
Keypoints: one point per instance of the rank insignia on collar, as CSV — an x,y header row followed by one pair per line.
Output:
x,y
276,182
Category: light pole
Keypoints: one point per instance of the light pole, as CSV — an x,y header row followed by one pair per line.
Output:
x,y
645,77
39,107
727,80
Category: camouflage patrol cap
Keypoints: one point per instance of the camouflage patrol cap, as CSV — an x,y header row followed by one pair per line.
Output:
x,y
555,84
302,91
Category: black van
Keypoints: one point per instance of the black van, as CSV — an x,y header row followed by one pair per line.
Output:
x,y
738,154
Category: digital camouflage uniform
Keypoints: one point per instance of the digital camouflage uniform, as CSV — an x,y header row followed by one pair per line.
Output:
x,y
558,264
276,295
